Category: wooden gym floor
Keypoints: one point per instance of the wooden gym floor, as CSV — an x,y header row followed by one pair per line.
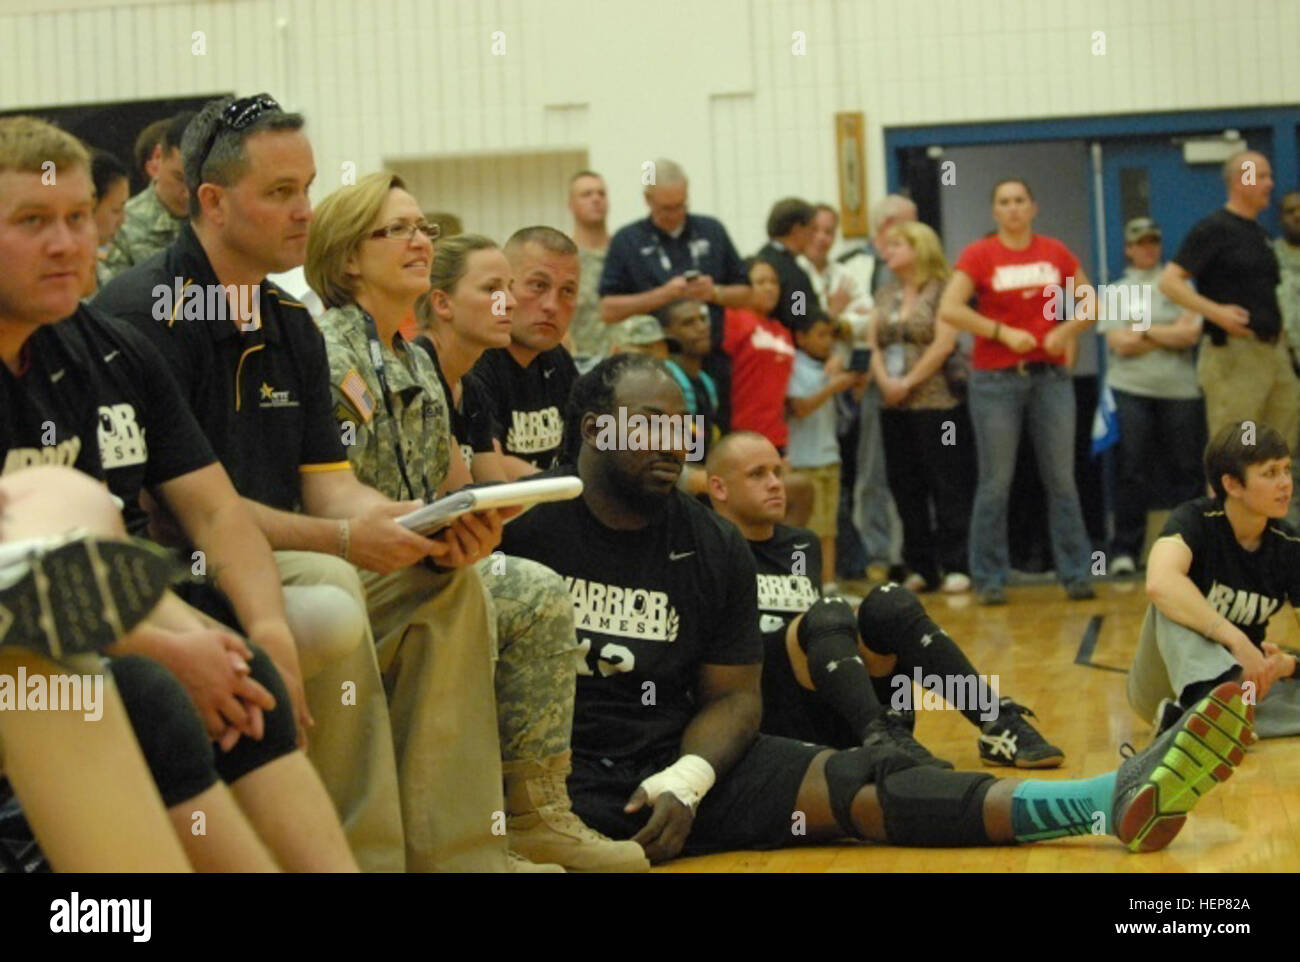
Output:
x,y
1251,823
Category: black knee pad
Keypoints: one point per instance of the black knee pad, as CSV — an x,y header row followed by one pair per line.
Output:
x,y
888,616
826,616
167,726
847,771
932,807
281,734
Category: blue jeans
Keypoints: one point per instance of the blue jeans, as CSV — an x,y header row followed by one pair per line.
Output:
x,y
1002,404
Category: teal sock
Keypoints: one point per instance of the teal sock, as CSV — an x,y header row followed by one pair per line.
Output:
x,y
1042,809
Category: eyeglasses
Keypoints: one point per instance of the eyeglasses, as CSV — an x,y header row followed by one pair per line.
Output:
x,y
236,116
407,232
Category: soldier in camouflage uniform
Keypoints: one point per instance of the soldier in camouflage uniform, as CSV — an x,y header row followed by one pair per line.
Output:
x,y
536,671
155,215
589,205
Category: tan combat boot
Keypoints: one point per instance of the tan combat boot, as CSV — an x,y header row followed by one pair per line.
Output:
x,y
543,827
518,865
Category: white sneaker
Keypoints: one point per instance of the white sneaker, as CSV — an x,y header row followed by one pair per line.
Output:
x,y
955,583
914,582
1123,565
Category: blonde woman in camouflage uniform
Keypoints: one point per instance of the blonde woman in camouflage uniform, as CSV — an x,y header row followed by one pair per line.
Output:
x,y
368,257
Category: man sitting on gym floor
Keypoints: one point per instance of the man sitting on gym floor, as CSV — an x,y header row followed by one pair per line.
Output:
x,y
666,739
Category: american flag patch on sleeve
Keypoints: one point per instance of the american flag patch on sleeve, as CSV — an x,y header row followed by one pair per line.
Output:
x,y
355,390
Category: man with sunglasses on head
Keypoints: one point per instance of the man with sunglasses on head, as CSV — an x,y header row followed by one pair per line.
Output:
x,y
253,367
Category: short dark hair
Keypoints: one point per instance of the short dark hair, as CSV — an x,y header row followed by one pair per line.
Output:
x,y
146,141
174,132
593,393
829,208
226,160
664,315
105,168
1229,453
802,323
993,194
555,241
787,214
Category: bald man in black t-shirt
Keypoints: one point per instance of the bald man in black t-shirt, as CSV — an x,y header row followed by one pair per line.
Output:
x,y
1245,369
843,695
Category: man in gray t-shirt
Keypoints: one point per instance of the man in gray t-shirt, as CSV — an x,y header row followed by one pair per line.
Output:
x,y
1151,371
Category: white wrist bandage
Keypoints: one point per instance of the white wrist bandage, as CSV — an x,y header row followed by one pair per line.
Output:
x,y
689,778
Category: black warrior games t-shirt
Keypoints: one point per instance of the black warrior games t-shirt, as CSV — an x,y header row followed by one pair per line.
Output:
x,y
95,395
650,607
1246,587
525,405
789,581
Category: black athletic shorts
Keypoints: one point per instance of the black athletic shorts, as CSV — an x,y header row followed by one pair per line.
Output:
x,y
752,807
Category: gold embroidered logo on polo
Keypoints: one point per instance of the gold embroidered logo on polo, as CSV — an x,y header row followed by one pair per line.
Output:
x,y
271,398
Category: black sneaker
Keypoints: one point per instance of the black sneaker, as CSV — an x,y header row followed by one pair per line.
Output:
x,y
1080,591
887,730
1156,787
1010,740
75,593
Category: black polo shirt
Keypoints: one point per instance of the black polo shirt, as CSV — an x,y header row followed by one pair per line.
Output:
x,y
95,395
642,257
797,296
1232,261
261,396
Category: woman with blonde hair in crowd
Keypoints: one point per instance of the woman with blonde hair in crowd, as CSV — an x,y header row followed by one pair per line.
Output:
x,y
369,257
920,369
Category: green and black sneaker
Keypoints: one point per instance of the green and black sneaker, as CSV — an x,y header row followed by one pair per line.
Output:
x,y
76,593
1156,787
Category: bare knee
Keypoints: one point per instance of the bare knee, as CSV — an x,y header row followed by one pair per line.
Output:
x,y
49,500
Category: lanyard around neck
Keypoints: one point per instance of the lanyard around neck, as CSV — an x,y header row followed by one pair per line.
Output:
x,y
377,361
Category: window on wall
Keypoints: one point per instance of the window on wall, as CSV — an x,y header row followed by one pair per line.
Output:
x,y
114,127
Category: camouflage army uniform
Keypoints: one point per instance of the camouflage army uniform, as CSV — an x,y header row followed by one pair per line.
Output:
x,y
591,335
148,228
537,671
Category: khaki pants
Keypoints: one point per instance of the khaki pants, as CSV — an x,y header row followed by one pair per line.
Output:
x,y
352,744
1248,380
436,644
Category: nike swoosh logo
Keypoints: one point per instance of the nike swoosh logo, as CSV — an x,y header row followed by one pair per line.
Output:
x,y
110,355
547,374
674,556
57,376
804,545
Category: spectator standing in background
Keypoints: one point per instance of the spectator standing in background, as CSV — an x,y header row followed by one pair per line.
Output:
x,y
147,152
112,187
155,215
929,447
1245,370
848,304
815,381
789,228
672,255
589,204
1287,249
1151,372
1021,382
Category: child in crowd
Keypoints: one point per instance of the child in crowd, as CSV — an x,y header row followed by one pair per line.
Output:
x,y
814,448
762,357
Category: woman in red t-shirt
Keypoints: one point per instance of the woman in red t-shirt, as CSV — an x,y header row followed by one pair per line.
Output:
x,y
762,357
1021,378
